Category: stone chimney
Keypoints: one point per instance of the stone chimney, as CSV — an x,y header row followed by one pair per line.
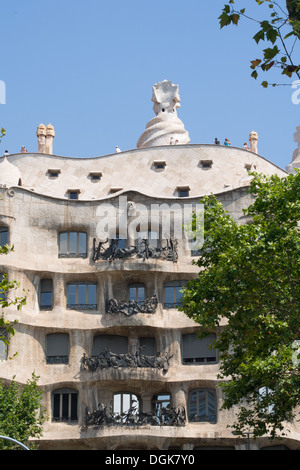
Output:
x,y
45,137
253,138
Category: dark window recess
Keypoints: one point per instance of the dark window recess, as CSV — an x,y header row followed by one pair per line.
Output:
x,y
183,191
46,294
64,405
95,176
197,350
3,236
73,194
206,164
116,344
57,348
54,173
148,345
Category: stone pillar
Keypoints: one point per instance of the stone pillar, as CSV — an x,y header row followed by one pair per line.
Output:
x,y
50,134
179,397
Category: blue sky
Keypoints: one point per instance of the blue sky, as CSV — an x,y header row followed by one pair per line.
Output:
x,y
88,68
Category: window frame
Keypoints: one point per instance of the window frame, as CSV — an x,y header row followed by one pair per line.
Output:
x,y
132,397
4,229
71,403
80,306
135,298
200,360
176,284
58,358
68,254
209,395
45,306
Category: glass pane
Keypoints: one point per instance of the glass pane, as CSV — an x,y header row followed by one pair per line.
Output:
x,y
126,402
211,405
82,297
82,243
193,406
72,294
121,243
153,238
73,242
92,289
63,243
46,299
169,296
56,400
65,406
74,406
140,294
3,236
178,295
117,403
3,348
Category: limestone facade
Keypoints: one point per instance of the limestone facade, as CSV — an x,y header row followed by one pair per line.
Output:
x,y
119,365
35,214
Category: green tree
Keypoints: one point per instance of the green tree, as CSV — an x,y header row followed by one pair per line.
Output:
x,y
21,414
248,291
280,30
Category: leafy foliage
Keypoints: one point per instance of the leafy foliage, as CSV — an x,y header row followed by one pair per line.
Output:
x,y
21,415
281,26
248,290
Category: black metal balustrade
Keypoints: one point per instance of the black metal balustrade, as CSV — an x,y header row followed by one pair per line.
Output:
x,y
107,359
131,307
82,306
57,359
133,417
109,250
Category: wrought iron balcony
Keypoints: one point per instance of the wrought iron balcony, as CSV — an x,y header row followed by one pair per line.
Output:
x,y
108,359
82,306
109,250
131,307
133,417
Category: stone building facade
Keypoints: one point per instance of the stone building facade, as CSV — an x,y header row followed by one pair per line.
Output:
x,y
119,365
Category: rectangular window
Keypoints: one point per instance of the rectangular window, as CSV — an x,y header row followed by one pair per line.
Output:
x,y
82,296
197,350
173,294
137,293
64,405
73,194
57,348
46,294
72,244
3,236
202,406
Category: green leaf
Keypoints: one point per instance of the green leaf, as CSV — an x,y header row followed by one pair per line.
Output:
x,y
260,36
